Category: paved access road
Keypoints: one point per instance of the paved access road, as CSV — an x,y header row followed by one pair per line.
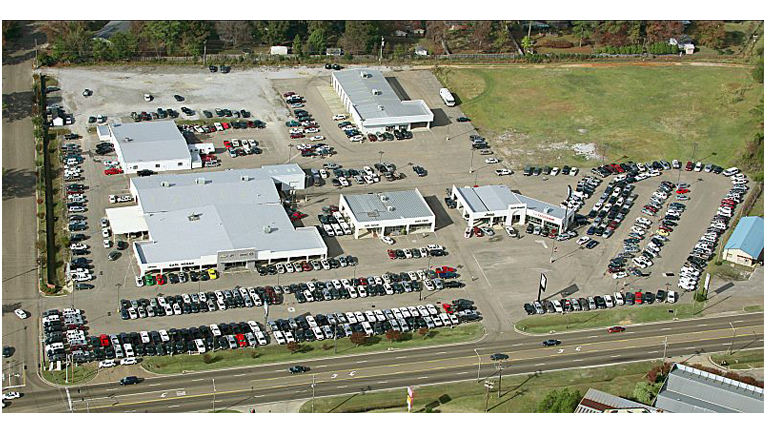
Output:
x,y
396,369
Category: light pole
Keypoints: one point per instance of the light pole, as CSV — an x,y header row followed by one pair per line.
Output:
x,y
290,147
471,157
381,155
478,365
500,367
313,393
664,356
488,388
213,380
733,339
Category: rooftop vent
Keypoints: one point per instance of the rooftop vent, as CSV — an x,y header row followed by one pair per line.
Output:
x,y
381,107
547,210
165,184
375,92
267,229
391,208
194,217
364,74
245,178
127,139
383,198
200,180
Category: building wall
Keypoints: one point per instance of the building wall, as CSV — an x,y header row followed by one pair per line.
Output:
x,y
739,257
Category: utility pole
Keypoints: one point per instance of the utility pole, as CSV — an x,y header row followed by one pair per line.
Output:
x,y
213,380
313,393
488,388
478,365
664,356
733,339
381,50
205,50
381,155
471,157
500,367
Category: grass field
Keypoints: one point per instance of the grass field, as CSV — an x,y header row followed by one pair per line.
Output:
x,y
631,112
82,374
608,317
312,350
519,393
754,308
742,359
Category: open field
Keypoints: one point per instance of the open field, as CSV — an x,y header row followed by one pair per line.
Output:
x,y
742,359
311,350
81,375
631,112
519,393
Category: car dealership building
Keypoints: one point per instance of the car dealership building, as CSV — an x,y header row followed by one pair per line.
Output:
x,y
156,146
222,219
374,105
496,204
387,213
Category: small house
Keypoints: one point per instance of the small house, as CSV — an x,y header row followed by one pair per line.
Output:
x,y
421,51
278,50
745,246
418,31
334,52
400,33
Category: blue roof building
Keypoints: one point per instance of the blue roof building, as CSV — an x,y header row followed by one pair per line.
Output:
x,y
745,246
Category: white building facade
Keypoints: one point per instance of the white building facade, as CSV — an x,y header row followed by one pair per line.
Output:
x,y
497,205
157,146
373,104
387,213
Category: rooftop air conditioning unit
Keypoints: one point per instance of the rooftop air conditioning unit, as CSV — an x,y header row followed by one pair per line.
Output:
x,y
364,74
375,92
200,180
384,198
381,107
391,208
267,229
165,184
245,178
127,139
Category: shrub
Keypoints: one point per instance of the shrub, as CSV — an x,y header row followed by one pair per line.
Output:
x,y
555,43
207,358
358,338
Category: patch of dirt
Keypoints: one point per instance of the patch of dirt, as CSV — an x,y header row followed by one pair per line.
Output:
x,y
625,322
517,145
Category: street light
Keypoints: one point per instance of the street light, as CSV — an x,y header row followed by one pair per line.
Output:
x,y
733,339
381,155
213,380
313,393
478,365
471,157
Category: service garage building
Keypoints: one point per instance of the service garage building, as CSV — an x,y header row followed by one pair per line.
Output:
x,y
374,105
156,146
223,220
387,213
496,204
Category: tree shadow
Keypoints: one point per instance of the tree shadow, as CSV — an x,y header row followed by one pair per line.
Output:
x,y
18,183
18,105
10,60
342,403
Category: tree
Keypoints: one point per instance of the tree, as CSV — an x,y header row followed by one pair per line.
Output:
x,y
124,45
758,74
163,34
662,31
481,33
234,32
501,37
358,338
316,42
644,392
527,43
560,401
584,29
393,335
435,32
359,37
293,347
101,50
196,33
275,32
710,33
297,46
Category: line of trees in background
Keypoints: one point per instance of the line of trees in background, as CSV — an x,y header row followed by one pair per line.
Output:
x,y
72,41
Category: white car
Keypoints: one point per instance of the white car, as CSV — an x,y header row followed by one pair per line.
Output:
x,y
388,240
356,138
555,171
128,361
503,172
311,130
107,243
21,313
147,97
11,395
339,117
492,160
510,231
583,240
139,281
106,364
620,275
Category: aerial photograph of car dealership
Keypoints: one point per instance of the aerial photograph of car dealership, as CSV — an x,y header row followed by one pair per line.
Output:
x,y
389,216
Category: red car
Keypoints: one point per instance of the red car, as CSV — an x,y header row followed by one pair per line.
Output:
x,y
297,135
639,297
225,125
372,138
689,166
298,216
306,266
448,308
227,144
104,340
160,279
241,342
478,232
287,94
113,171
444,269
362,281
616,329
392,254
682,191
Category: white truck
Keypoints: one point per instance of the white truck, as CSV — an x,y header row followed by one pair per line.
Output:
x,y
447,97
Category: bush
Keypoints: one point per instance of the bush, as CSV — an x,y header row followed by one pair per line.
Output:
x,y
207,358
645,392
358,338
555,43
560,401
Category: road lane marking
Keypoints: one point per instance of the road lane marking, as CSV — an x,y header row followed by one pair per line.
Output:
x,y
701,325
401,357
442,352
362,361
239,375
155,384
652,352
739,321
383,382
199,379
173,406
617,355
666,328
342,386
540,364
422,378
578,360
593,336
462,373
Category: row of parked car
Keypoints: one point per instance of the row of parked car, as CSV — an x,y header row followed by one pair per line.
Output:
x,y
547,170
585,187
611,208
201,302
305,266
431,250
704,249
64,334
599,302
151,279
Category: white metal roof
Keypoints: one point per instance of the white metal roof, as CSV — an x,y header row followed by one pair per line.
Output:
x,y
150,141
492,198
124,220
375,100
385,206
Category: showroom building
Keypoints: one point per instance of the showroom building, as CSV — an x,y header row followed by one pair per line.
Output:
x,y
374,105
223,220
157,146
496,204
387,213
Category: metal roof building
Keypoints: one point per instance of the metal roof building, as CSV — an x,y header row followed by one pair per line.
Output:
x,y
498,204
374,105
156,146
596,401
223,219
385,213
745,246
691,390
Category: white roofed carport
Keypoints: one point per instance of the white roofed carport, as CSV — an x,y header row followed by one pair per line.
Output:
x,y
126,220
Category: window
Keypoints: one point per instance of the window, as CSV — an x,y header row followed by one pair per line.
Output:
x,y
181,163
157,165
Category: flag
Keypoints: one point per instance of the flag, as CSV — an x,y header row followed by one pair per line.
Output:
x,y
409,399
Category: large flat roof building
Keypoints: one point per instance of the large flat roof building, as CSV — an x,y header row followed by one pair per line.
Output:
x,y
374,105
385,213
156,146
497,204
218,219
691,390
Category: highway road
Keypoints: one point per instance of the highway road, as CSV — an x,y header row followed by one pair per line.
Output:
x,y
397,369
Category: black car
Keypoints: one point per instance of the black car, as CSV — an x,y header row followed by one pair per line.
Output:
x,y
178,98
8,351
499,357
463,119
114,255
212,68
551,342
298,369
121,245
130,380
144,173
661,295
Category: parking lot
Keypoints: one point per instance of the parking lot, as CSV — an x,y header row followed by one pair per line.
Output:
x,y
500,273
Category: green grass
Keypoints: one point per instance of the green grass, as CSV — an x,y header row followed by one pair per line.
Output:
x,y
312,350
753,308
742,359
729,271
608,317
758,208
631,112
82,374
519,393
